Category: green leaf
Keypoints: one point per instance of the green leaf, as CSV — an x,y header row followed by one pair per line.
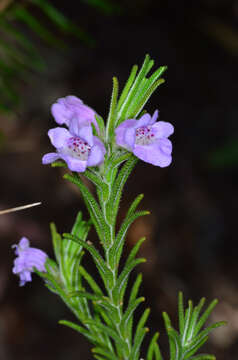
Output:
x,y
119,290
203,357
134,251
129,262
104,351
139,337
186,344
133,294
126,88
145,88
193,348
101,313
48,277
146,66
101,126
174,341
153,350
199,340
99,357
58,164
87,295
118,185
92,206
204,317
110,332
112,312
181,312
138,90
117,247
105,273
134,204
140,326
92,283
57,242
135,287
193,321
96,179
72,250
143,99
52,267
112,112
188,315
129,313
79,329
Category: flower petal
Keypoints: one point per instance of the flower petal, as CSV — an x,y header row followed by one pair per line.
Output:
x,y
97,153
58,136
143,121
154,117
162,129
24,243
158,153
27,259
60,113
121,130
72,100
49,158
25,276
65,109
85,112
129,137
74,164
83,130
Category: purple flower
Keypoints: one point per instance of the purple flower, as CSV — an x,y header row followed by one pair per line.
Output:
x,y
147,139
65,109
27,259
76,146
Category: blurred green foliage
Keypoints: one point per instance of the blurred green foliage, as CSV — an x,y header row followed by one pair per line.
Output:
x,y
226,156
225,35
19,55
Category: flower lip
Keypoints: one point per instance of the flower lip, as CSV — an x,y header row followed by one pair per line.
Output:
x,y
78,148
145,135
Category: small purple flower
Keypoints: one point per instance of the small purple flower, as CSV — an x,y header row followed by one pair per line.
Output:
x,y
147,139
69,107
27,259
76,146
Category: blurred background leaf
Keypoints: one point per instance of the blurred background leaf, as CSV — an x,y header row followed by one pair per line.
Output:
x,y
226,156
19,56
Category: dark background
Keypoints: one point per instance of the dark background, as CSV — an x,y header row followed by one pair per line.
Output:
x,y
192,231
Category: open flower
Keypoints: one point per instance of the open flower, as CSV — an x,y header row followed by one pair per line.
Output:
x,y
76,146
147,139
27,259
69,107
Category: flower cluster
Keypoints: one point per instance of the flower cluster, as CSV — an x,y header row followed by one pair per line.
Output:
x,y
27,259
79,148
76,145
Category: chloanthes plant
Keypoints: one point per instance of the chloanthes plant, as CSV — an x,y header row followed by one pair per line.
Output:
x,y
106,153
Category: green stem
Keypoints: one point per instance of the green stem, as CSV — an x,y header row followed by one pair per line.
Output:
x,y
112,266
